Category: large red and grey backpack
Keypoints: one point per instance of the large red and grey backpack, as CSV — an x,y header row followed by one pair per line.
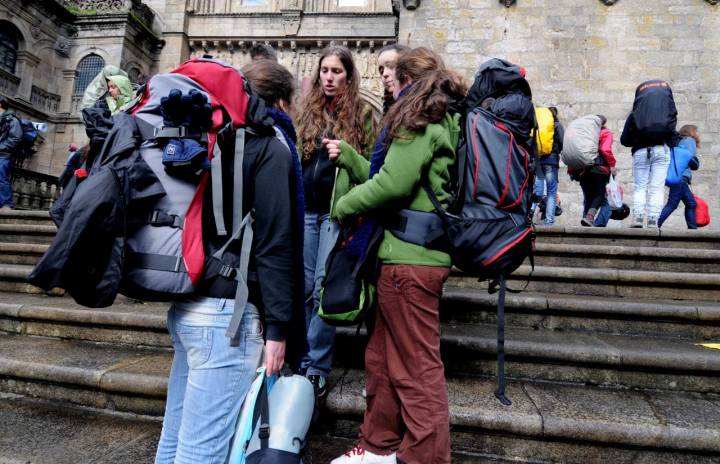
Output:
x,y
489,225
165,254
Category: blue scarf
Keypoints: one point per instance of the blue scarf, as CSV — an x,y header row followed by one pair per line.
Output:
x,y
286,127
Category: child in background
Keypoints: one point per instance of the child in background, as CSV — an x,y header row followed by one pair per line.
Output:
x,y
681,192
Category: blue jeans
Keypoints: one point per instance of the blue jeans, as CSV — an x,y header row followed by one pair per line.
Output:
x,y
320,236
603,215
547,174
650,166
6,194
680,192
208,380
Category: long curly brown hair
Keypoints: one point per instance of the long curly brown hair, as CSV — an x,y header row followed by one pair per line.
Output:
x,y
349,121
433,88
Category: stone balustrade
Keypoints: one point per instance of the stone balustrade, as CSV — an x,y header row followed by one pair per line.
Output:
x,y
9,83
44,100
33,190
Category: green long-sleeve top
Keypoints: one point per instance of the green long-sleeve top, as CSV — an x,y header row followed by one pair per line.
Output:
x,y
398,184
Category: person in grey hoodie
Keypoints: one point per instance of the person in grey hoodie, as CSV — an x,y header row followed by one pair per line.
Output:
x,y
681,192
10,138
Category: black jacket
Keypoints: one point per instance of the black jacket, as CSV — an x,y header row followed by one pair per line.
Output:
x,y
275,272
10,134
318,181
86,255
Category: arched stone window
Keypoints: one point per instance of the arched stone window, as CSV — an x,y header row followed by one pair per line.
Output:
x,y
87,69
8,46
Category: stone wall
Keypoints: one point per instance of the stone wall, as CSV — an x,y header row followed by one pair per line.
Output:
x,y
585,57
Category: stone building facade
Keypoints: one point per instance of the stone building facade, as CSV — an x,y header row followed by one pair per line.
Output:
x,y
588,56
583,56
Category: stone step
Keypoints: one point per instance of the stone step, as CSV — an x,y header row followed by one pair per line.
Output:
x,y
649,424
17,216
104,376
133,322
661,238
27,233
557,356
469,349
21,253
13,278
127,322
608,282
562,423
627,257
546,254
582,313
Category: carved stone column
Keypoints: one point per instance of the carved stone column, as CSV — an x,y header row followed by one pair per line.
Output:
x,y
26,64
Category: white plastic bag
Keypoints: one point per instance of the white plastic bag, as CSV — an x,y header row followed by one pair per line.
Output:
x,y
614,193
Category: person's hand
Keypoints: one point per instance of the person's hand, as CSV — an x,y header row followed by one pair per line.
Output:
x,y
333,148
613,171
274,356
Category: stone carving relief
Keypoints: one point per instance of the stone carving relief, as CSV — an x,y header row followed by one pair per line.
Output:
x,y
301,58
35,32
291,22
62,47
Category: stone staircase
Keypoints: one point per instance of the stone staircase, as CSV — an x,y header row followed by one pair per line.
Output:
x,y
603,353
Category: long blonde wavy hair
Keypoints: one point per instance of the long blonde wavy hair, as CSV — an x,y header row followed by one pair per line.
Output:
x,y
349,123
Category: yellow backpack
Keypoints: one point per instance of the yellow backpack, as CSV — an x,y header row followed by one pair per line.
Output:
x,y
546,131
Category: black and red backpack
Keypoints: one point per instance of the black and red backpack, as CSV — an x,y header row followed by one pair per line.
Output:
x,y
488,226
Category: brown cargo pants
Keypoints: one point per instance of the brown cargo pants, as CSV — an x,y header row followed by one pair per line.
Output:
x,y
407,402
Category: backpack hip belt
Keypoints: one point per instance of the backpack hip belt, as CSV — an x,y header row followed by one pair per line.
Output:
x,y
417,227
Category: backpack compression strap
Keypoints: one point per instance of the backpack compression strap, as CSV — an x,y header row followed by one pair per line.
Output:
x,y
217,183
262,412
500,392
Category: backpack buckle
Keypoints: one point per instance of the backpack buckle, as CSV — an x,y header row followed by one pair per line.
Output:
x,y
228,272
264,432
154,217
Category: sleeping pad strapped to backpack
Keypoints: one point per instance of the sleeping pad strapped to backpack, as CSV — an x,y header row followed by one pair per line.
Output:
x,y
488,226
580,145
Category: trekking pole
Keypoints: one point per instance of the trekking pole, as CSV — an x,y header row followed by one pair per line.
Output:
x,y
500,392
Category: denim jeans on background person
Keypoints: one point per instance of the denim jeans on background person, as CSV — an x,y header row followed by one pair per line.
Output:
x,y
320,236
678,193
650,167
208,379
547,174
603,216
6,194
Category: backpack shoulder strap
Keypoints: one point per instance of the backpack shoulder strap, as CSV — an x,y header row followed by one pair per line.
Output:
x,y
262,413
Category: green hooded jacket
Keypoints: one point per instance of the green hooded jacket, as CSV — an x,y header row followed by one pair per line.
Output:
x,y
431,152
126,93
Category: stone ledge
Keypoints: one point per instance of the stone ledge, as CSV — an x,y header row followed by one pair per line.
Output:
x,y
680,421
137,371
621,251
653,354
28,229
549,303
